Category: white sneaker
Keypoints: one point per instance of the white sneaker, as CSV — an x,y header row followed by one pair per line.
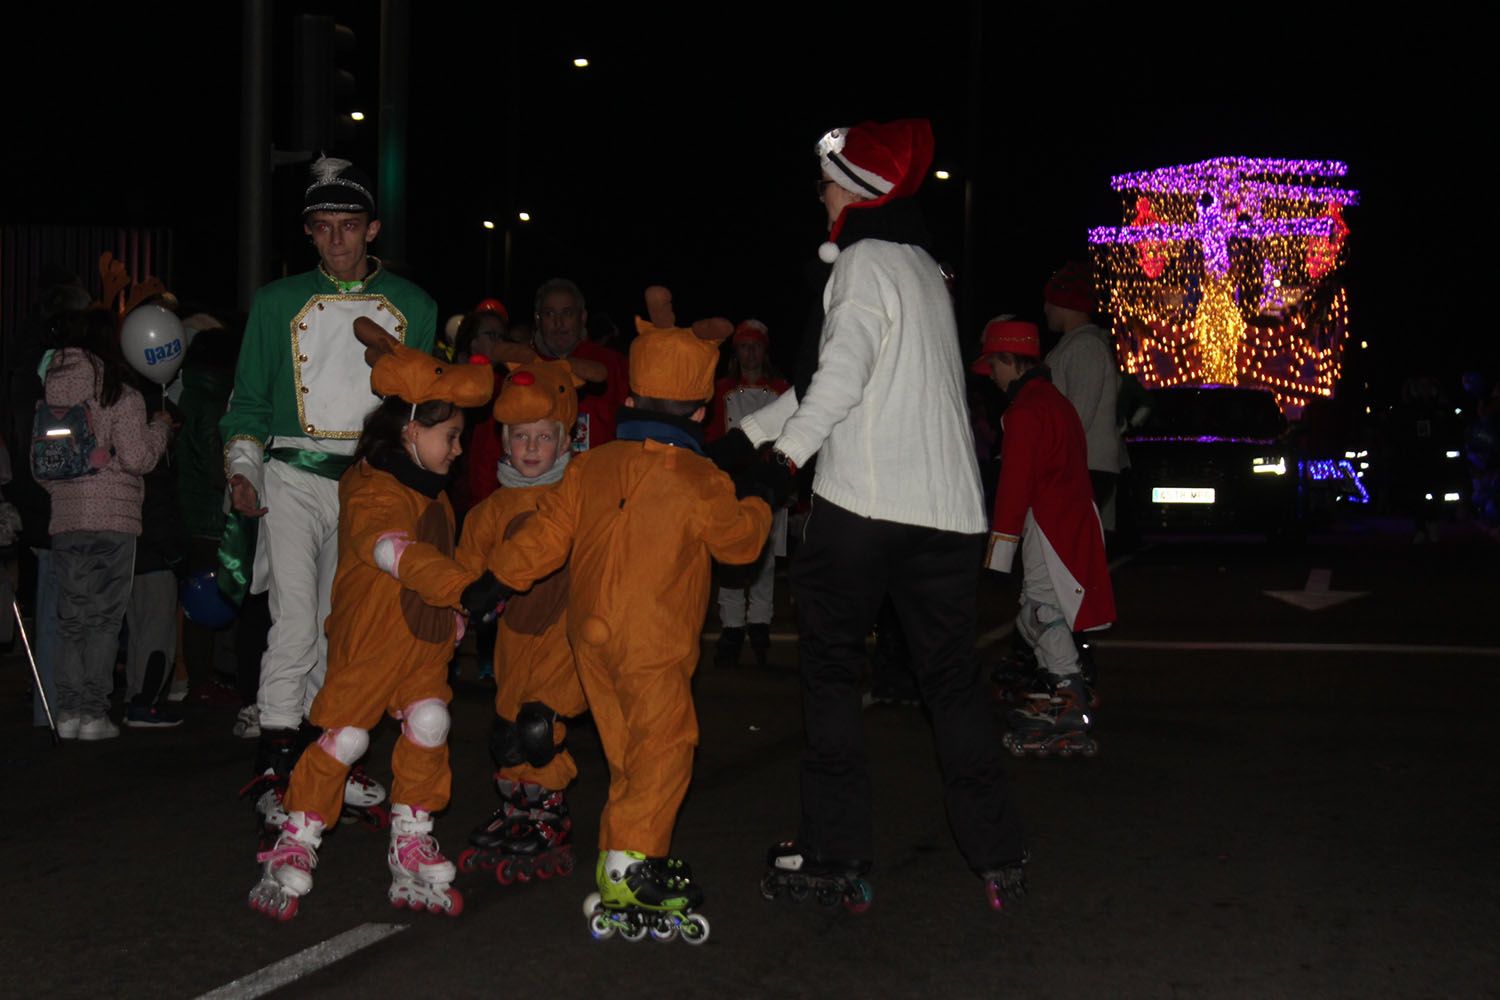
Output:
x,y
68,724
247,723
177,692
98,728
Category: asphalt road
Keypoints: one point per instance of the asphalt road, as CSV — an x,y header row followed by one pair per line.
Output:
x,y
1287,802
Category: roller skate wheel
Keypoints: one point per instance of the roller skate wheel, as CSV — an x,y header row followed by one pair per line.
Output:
x,y
600,927
278,906
468,861
769,887
633,932
378,817
861,895
665,933
828,896
398,902
504,872
565,862
1090,748
591,905
797,891
453,905
543,868
995,897
694,929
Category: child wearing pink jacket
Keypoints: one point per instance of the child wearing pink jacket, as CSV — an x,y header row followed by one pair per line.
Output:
x,y
96,518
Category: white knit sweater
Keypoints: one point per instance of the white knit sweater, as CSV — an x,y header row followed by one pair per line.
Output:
x,y
886,412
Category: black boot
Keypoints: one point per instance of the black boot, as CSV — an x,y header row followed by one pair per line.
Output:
x,y
760,642
727,653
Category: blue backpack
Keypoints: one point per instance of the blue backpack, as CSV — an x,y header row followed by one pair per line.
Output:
x,y
63,443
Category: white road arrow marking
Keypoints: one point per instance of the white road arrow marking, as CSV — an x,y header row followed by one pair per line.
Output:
x,y
1316,596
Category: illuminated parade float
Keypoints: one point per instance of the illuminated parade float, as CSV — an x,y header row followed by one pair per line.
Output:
x,y
1226,272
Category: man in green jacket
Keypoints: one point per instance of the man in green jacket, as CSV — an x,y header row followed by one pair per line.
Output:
x,y
301,393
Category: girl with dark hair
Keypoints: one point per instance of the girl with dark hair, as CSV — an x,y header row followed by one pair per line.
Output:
x,y
96,517
397,600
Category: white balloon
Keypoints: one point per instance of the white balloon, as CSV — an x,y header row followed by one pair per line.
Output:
x,y
153,342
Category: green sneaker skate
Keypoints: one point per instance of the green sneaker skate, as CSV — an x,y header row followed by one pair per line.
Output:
x,y
640,895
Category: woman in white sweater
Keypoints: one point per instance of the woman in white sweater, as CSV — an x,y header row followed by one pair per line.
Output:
x,y
897,508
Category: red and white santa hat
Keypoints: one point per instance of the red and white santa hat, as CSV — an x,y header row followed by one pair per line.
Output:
x,y
879,161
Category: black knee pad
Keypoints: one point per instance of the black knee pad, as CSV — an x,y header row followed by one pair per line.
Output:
x,y
534,725
527,740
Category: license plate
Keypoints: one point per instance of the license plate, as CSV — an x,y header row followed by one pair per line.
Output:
x,y
1182,494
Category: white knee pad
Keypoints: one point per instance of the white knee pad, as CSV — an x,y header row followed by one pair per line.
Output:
x,y
345,744
425,723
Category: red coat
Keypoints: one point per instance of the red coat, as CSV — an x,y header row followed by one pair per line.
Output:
x,y
1044,471
598,404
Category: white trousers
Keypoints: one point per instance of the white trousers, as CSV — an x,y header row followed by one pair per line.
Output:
x,y
732,603
1041,621
299,536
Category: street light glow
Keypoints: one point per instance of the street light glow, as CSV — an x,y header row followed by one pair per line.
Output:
x,y
524,216
581,63
488,224
358,116
941,175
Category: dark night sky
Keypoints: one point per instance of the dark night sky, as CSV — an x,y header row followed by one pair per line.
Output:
x,y
683,155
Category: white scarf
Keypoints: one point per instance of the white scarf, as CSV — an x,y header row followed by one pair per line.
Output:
x,y
510,477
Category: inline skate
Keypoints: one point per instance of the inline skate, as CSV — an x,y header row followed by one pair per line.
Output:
x,y
276,755
288,866
420,876
1004,885
640,895
797,873
526,838
1018,676
364,800
1055,721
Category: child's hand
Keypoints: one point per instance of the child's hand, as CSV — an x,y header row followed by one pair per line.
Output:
x,y
484,599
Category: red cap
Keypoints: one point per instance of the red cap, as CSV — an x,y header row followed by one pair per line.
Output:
x,y
1010,336
1071,288
751,329
493,306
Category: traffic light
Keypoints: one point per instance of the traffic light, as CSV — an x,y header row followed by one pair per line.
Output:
x,y
325,86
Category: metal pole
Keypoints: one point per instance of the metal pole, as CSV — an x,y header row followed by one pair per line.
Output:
x,y
968,282
36,675
395,60
255,149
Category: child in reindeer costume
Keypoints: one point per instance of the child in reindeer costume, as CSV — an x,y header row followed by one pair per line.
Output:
x,y
396,600
536,679
639,520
